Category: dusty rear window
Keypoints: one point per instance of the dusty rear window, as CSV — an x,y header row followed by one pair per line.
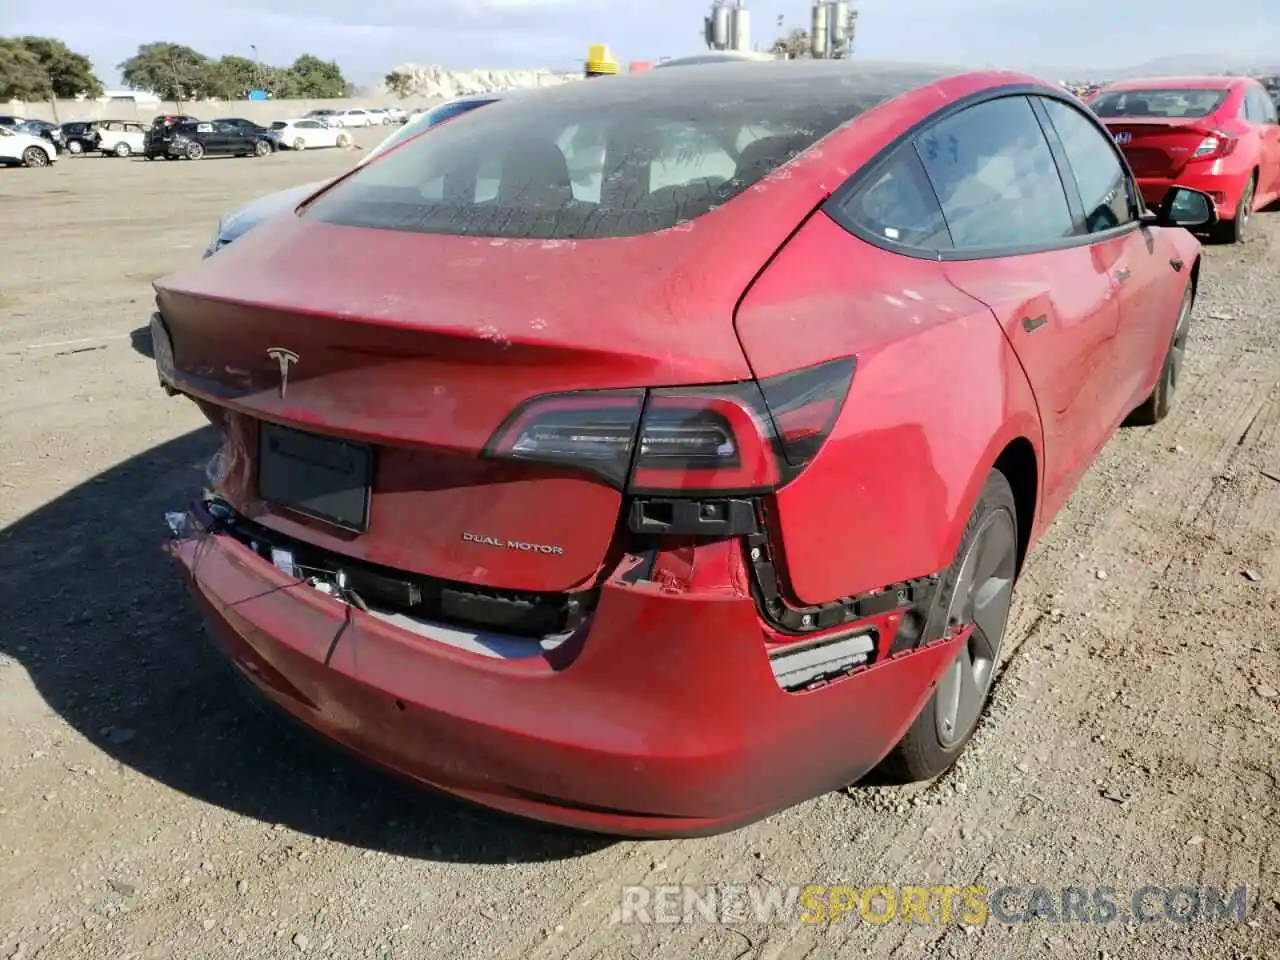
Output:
x,y
618,160
1177,104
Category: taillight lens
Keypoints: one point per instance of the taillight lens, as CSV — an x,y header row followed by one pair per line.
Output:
x,y
705,438
735,437
804,406
1213,146
594,431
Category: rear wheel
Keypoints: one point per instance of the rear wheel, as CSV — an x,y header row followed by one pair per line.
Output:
x,y
344,140
976,592
1156,407
35,157
122,150
195,151
1236,229
261,148
75,146
299,143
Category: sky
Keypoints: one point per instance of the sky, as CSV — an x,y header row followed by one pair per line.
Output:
x,y
370,37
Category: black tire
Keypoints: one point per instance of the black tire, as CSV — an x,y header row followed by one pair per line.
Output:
x,y
1236,229
1157,406
923,752
195,151
35,157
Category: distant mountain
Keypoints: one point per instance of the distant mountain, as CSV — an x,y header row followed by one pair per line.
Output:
x,y
1186,64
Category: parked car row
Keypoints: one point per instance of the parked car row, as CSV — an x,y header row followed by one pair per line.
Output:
x,y
360,116
38,143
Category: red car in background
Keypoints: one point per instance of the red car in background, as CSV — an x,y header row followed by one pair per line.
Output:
x,y
654,454
1216,134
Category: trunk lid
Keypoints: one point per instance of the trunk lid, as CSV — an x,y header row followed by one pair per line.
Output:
x,y
1158,147
421,347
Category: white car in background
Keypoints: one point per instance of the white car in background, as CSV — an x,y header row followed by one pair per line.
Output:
x,y
308,132
121,138
354,117
25,149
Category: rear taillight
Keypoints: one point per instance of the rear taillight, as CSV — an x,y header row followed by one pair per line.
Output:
x,y
1213,146
594,431
736,437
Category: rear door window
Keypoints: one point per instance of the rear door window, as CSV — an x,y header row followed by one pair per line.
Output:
x,y
995,177
898,205
1258,107
1095,167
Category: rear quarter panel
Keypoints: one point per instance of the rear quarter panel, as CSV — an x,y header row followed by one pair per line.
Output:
x,y
936,396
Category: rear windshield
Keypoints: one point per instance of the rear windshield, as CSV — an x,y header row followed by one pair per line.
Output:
x,y
424,121
628,158
1178,104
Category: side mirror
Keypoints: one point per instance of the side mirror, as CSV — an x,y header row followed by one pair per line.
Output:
x,y
1183,207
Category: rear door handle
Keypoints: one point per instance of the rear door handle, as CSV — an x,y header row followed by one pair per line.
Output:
x,y
1122,274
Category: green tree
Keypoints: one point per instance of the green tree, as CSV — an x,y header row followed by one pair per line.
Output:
x,y
169,70
312,77
231,78
21,75
69,73
399,83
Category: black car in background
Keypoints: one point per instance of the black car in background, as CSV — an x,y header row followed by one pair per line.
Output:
x,y
212,138
80,136
249,127
162,129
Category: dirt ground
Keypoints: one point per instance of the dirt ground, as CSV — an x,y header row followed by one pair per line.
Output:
x,y
147,810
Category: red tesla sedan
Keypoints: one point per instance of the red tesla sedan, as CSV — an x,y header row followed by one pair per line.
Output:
x,y
651,455
1216,134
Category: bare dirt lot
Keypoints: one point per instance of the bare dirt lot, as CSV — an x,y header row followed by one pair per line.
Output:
x,y
147,810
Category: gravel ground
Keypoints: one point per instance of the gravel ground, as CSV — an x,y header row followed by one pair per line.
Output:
x,y
147,810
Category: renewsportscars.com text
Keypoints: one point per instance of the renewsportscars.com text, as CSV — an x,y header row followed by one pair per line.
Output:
x,y
971,905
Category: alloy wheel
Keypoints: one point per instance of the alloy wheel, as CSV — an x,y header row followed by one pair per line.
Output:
x,y
1246,205
35,157
981,599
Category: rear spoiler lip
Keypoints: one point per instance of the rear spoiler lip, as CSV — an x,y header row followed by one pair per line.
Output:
x,y
1192,124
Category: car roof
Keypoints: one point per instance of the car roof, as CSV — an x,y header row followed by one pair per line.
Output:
x,y
717,56
798,79
1176,83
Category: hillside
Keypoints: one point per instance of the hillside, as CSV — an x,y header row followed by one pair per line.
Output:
x,y
433,81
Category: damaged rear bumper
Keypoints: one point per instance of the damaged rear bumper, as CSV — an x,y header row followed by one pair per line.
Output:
x,y
666,719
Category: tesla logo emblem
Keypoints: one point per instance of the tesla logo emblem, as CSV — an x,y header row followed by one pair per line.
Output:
x,y
286,359
1124,137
